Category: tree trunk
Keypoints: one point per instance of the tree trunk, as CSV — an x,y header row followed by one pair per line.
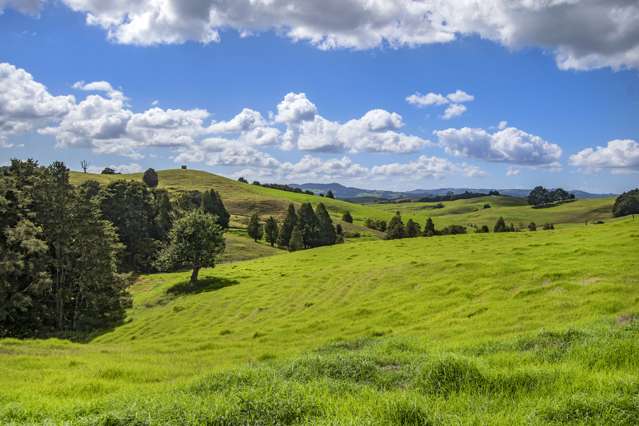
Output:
x,y
196,270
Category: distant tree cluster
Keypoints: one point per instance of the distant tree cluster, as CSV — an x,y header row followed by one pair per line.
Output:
x,y
451,196
376,224
626,204
306,228
540,196
280,186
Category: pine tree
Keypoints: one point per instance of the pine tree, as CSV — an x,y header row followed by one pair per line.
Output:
x,y
329,194
296,243
346,217
429,228
339,231
308,225
254,228
327,235
211,203
412,228
286,229
395,228
500,226
271,230
151,178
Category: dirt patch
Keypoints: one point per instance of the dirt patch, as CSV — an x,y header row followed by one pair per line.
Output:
x,y
627,319
590,281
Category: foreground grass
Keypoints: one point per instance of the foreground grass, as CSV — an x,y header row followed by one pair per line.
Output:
x,y
490,329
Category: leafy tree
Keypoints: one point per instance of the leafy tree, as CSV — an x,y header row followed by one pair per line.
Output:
x,y
532,226
329,194
395,228
453,230
346,217
487,206
429,228
196,241
326,230
254,228
89,189
151,178
308,225
286,229
296,242
548,227
211,202
493,192
412,228
500,226
108,171
626,204
271,230
129,206
483,230
242,180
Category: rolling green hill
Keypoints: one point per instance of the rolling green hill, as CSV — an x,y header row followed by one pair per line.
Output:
x,y
529,327
244,199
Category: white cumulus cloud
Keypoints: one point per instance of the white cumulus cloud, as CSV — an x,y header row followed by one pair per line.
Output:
x,y
619,156
508,145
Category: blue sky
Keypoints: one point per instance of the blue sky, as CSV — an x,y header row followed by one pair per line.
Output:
x,y
528,113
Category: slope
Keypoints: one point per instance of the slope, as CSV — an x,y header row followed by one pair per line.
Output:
x,y
453,331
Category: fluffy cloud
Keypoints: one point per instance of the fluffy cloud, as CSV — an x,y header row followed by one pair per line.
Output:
x,y
375,131
512,171
508,145
453,100
26,104
426,167
619,156
453,110
582,34
251,127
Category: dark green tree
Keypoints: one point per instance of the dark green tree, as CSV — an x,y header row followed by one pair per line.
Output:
x,y
296,242
89,189
308,225
532,226
329,194
271,230
327,235
412,229
339,231
539,195
346,217
211,203
196,241
151,178
163,214
254,228
286,229
395,228
500,225
626,204
429,228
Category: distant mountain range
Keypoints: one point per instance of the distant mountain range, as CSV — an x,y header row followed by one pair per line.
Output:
x,y
352,193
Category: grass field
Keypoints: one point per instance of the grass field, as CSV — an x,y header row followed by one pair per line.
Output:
x,y
523,328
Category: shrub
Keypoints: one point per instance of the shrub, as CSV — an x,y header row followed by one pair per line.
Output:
x,y
346,217
151,178
487,206
548,226
500,226
532,226
453,230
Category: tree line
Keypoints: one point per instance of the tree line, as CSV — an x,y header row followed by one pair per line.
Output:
x,y
395,228
67,253
305,228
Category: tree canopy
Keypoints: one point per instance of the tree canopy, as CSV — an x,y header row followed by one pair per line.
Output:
x,y
626,204
151,178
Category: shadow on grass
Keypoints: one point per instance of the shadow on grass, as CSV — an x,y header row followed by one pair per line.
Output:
x,y
201,286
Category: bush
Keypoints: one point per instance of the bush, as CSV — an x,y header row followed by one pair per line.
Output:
x,y
626,204
487,206
453,230
151,178
346,217
532,226
548,226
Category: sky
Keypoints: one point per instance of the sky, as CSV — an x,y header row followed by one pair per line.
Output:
x,y
380,94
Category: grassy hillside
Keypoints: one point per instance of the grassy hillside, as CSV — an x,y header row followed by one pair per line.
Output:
x,y
515,328
244,199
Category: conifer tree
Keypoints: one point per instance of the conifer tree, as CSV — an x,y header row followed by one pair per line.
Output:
x,y
395,228
329,194
429,228
308,225
254,228
412,228
271,230
296,243
284,235
211,203
327,235
346,217
339,231
500,226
